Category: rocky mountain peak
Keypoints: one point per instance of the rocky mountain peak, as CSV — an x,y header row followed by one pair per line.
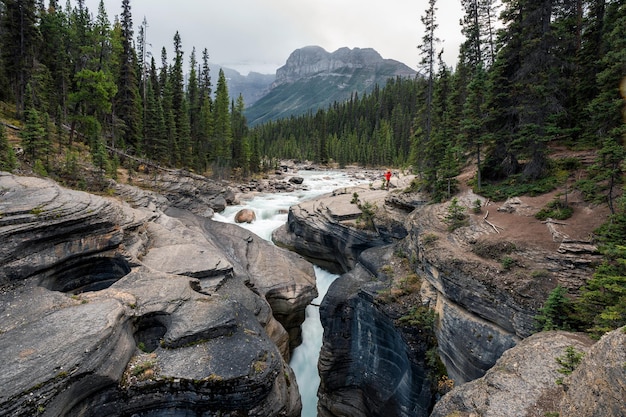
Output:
x,y
315,60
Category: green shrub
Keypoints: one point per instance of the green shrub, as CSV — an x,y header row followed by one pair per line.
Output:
x,y
456,216
555,313
569,361
556,209
477,207
507,262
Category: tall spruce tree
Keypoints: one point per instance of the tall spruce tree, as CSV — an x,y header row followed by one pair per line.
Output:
x,y
240,148
54,56
19,45
128,106
222,133
424,119
8,161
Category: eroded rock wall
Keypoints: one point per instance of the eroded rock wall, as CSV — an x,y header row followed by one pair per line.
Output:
x,y
111,310
366,366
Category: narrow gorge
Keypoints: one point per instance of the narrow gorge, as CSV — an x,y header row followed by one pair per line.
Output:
x,y
415,298
138,304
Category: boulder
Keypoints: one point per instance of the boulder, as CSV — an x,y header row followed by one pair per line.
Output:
x,y
597,387
138,311
522,383
296,180
245,216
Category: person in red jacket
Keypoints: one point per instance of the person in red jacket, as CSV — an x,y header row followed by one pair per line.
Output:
x,y
388,177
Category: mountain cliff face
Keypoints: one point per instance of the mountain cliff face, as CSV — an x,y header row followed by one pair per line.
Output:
x,y
313,78
252,87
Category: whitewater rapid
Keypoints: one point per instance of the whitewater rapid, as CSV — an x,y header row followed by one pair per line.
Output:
x,y
271,212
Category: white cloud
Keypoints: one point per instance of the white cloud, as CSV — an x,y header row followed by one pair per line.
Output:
x,y
260,35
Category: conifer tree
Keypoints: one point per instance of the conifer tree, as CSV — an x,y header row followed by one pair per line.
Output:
x,y
128,106
222,134
54,56
240,149
423,130
193,96
177,81
20,40
32,135
8,161
184,136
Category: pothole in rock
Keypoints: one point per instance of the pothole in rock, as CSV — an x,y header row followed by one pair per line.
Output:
x,y
91,274
150,331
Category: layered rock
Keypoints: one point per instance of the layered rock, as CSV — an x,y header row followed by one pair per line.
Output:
x,y
524,380
597,387
114,310
333,230
367,365
314,61
522,383
483,309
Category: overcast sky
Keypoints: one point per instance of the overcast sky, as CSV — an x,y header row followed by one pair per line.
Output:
x,y
259,35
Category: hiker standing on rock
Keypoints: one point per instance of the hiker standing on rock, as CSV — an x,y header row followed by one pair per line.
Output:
x,y
388,177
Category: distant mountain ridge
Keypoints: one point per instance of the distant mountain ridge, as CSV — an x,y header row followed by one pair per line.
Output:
x,y
251,87
313,78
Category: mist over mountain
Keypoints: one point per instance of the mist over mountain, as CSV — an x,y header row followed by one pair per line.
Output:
x,y
252,86
312,78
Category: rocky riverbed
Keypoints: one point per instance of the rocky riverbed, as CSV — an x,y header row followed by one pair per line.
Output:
x,y
136,303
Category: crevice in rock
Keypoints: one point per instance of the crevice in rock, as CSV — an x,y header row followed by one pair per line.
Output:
x,y
87,274
150,330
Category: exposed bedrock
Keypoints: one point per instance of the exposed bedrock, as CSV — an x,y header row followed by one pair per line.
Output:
x,y
110,310
522,383
332,230
524,380
366,366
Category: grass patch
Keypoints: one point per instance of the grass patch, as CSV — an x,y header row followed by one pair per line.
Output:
x,y
516,185
555,209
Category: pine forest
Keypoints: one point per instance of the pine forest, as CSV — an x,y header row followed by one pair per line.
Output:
x,y
531,77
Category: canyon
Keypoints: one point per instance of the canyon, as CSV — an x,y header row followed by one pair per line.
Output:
x,y
137,303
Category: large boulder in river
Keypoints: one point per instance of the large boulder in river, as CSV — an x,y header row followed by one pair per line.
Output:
x,y
113,310
245,216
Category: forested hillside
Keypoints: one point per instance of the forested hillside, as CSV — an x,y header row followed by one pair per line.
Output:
x,y
547,74
69,76
531,76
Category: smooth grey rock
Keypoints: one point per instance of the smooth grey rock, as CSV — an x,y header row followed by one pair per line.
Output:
x,y
325,229
245,216
86,282
522,383
597,387
366,366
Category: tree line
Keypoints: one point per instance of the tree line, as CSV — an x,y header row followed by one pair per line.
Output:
x,y
75,76
531,75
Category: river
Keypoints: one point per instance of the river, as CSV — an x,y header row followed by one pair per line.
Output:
x,y
271,213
